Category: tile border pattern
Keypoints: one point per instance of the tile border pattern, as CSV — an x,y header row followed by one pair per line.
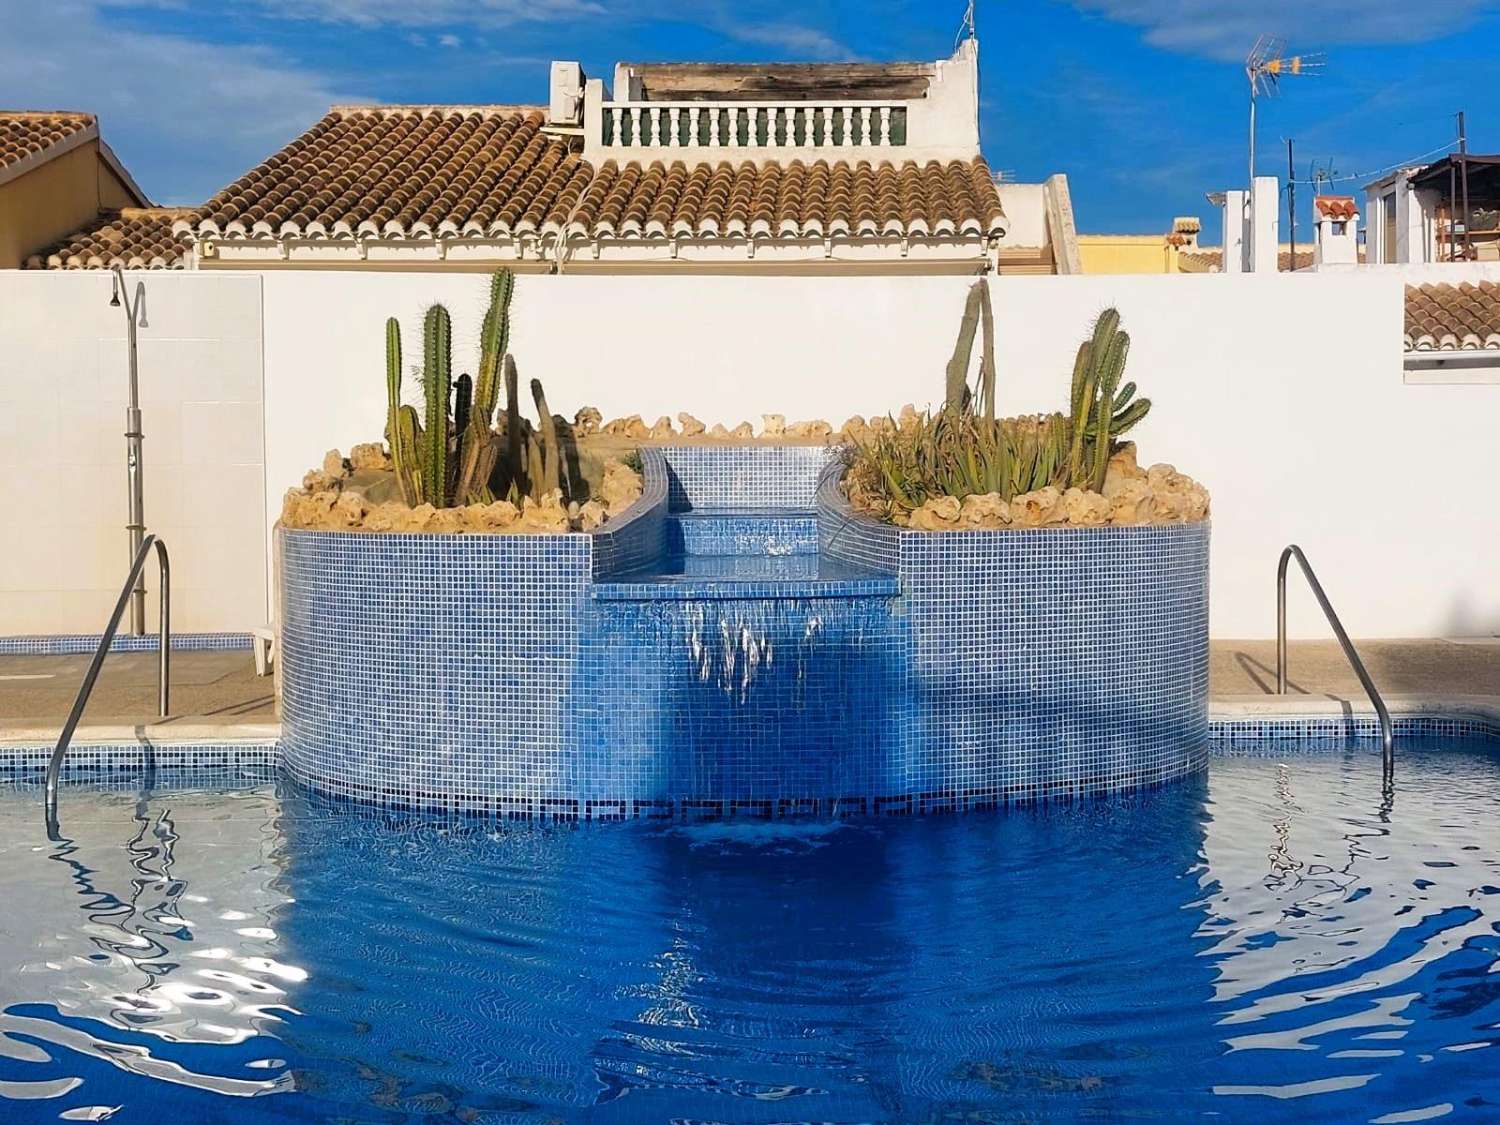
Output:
x,y
75,644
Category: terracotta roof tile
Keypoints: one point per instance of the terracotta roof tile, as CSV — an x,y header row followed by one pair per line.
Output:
x,y
24,134
794,199
405,172
1211,259
1441,317
491,171
1340,207
138,238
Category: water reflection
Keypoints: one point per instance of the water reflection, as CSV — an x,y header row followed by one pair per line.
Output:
x,y
1270,942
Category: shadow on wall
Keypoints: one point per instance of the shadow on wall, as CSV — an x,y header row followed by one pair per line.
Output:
x,y
1463,619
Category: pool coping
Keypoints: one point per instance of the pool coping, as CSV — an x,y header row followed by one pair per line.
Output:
x,y
1224,712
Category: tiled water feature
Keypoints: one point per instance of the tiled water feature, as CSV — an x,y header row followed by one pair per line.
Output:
x,y
743,645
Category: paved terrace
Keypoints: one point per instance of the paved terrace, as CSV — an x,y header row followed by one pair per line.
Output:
x,y
218,694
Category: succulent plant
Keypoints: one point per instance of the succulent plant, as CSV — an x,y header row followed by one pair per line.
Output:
x,y
401,428
958,453
437,383
454,454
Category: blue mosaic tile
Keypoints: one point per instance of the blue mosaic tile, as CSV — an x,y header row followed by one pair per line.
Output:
x,y
73,644
894,672
638,538
100,762
760,476
1267,734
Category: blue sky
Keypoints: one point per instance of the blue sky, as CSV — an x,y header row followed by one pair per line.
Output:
x,y
1141,102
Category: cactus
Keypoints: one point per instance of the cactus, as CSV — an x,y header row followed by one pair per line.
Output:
x,y
551,450
445,464
956,383
401,421
494,337
437,381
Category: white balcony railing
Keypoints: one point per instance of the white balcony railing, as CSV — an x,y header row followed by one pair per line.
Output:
x,y
752,125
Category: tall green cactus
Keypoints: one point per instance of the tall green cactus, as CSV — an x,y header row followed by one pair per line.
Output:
x,y
437,382
400,421
494,338
551,450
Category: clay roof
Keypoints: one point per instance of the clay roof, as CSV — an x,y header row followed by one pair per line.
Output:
x,y
26,134
138,238
1211,260
1341,207
490,171
793,199
1443,317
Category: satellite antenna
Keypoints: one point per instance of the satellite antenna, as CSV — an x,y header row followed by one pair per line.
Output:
x,y
1265,67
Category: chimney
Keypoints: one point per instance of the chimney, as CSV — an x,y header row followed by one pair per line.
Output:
x,y
1185,229
1236,228
1265,222
1337,218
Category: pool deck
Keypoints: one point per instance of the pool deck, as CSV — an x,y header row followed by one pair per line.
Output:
x,y
216,695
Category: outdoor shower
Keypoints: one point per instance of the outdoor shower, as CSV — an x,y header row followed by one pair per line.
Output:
x,y
135,316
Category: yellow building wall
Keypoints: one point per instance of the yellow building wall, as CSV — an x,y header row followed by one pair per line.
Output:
x,y
1124,253
55,199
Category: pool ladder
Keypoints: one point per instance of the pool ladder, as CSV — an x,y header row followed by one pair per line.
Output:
x,y
163,667
1387,733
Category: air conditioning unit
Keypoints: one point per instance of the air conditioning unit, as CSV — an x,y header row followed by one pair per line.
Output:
x,y
565,105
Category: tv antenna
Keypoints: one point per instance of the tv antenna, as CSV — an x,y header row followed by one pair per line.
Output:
x,y
966,29
1265,67
1322,174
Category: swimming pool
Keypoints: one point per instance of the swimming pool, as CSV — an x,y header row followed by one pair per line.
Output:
x,y
1263,942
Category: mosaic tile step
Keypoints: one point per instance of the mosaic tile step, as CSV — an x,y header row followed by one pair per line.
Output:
x,y
717,531
721,577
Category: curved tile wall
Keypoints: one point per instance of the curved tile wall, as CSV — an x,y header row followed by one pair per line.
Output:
x,y
519,675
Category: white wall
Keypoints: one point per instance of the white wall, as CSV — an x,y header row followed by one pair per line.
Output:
x,y
63,365
1283,393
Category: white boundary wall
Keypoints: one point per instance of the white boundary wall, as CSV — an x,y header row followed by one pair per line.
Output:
x,y
1283,393
63,365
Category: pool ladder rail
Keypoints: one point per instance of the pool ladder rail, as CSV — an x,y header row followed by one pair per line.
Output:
x,y
1387,733
163,667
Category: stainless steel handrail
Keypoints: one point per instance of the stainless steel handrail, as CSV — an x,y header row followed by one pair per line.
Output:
x,y
163,667
1387,734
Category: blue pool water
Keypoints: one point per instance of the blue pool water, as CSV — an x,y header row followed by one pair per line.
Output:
x,y
1265,943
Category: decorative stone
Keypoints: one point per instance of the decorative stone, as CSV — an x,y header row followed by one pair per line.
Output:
x,y
662,429
547,515
744,430
390,516
1085,508
316,480
334,464
591,515
816,428
446,521
587,421
621,487
718,431
855,428
369,455
1132,504
348,510
907,418
882,424
772,425
631,426
1121,468
986,509
938,514
1038,508
691,427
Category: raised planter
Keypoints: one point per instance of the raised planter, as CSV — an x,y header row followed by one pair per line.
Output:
x,y
894,671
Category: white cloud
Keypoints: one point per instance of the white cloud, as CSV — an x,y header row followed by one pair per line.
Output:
x,y
806,42
431,13
1227,30
186,116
